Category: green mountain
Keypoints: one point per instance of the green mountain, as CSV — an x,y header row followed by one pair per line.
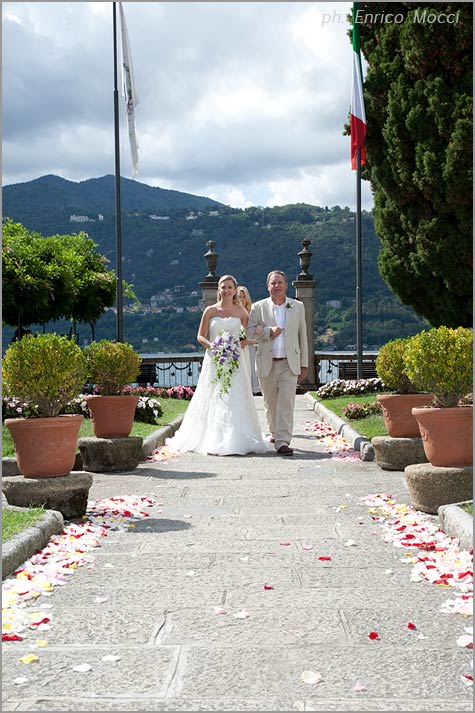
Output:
x,y
160,255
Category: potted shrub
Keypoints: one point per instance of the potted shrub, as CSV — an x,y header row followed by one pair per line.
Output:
x,y
441,360
397,406
111,366
44,371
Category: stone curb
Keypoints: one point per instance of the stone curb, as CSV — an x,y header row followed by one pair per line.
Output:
x,y
24,544
157,438
356,440
456,522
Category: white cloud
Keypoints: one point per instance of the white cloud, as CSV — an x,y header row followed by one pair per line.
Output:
x,y
243,100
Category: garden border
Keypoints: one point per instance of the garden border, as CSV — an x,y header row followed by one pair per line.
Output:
x,y
358,442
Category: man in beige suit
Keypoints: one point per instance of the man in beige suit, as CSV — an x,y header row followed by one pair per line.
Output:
x,y
281,357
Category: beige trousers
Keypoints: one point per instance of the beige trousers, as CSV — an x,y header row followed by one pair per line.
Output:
x,y
278,389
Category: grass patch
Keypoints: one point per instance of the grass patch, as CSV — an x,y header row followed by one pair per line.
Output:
x,y
172,408
370,426
467,507
14,521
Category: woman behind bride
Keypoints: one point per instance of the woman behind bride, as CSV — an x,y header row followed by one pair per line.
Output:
x,y
221,418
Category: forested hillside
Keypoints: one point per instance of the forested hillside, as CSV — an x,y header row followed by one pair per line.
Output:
x,y
168,254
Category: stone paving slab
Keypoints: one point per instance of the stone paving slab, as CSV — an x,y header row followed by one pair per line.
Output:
x,y
140,670
174,704
253,671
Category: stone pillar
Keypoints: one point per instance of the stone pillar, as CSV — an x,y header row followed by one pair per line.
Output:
x,y
305,292
209,284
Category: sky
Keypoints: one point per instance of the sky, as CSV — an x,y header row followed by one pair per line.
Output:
x,y
242,102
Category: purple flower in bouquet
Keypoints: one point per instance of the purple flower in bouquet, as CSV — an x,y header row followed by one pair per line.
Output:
x,y
225,352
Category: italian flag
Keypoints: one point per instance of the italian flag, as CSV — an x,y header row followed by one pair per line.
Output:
x,y
358,117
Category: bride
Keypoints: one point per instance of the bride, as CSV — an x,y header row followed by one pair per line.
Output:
x,y
221,418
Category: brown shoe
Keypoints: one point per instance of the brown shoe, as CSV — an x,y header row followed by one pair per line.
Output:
x,y
285,451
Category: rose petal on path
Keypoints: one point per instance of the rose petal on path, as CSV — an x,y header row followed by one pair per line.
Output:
x,y
411,626
350,543
101,600
82,668
285,544
110,657
373,635
19,680
465,640
311,677
242,614
325,558
268,586
29,658
359,687
41,643
307,547
244,559
218,610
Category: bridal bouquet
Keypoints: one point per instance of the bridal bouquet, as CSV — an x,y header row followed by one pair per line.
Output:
x,y
225,356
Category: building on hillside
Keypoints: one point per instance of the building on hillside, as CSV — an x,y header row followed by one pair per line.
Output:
x,y
159,217
79,218
333,303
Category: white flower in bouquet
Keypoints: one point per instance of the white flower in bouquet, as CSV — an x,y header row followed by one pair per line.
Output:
x,y
225,356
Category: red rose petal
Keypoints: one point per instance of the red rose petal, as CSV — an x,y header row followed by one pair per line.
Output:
x,y
411,626
324,559
373,635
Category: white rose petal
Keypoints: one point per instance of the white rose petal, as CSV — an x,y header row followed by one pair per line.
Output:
x,y
311,677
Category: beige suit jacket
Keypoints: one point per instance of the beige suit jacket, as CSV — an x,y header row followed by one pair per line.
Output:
x,y
295,335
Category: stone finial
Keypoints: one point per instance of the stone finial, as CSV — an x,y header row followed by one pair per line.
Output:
x,y
211,260
304,256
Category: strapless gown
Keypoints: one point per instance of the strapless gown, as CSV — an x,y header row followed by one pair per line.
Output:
x,y
221,424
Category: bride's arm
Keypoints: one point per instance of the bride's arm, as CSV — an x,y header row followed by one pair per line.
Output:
x,y
244,320
204,328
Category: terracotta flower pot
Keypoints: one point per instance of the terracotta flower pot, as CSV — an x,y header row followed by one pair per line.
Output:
x,y
112,416
446,434
397,413
45,447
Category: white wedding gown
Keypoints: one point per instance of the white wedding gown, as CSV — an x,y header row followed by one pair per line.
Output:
x,y
221,424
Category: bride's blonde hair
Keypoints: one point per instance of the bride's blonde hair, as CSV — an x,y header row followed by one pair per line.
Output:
x,y
234,281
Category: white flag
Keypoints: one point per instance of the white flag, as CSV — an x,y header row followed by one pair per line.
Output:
x,y
128,90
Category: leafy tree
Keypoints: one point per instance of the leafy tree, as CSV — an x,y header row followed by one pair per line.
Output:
x,y
45,279
27,285
418,98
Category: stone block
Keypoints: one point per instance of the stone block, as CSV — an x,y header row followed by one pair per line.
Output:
x,y
110,455
67,494
431,486
397,453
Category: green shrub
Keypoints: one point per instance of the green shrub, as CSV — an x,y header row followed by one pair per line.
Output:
x,y
391,368
441,361
111,365
45,371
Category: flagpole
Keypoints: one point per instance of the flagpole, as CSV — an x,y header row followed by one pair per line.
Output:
x,y
359,301
118,219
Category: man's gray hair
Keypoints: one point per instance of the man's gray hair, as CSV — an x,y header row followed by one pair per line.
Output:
x,y
276,272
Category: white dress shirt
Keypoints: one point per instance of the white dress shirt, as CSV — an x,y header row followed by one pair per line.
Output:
x,y
278,346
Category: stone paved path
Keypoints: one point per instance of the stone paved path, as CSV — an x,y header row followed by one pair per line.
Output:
x,y
216,542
